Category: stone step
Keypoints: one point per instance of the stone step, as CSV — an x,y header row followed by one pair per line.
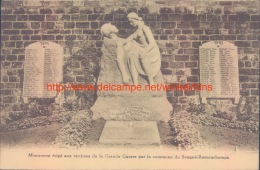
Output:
x,y
130,132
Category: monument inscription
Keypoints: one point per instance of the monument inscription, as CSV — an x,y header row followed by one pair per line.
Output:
x,y
131,113
43,65
219,68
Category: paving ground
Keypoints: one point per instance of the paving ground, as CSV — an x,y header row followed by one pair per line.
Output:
x,y
227,139
215,137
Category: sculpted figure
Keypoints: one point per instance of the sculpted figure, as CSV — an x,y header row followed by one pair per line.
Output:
x,y
110,31
125,59
145,59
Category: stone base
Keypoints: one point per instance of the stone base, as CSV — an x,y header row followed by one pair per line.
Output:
x,y
130,132
132,108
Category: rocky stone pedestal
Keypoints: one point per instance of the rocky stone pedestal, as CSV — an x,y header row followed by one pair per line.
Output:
x,y
132,107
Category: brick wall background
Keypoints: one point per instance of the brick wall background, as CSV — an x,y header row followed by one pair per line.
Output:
x,y
179,26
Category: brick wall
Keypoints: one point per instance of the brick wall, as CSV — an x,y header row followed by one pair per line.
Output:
x,y
179,27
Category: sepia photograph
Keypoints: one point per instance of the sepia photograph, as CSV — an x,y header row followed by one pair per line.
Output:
x,y
129,84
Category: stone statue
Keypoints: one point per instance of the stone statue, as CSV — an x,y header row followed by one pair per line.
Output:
x,y
143,55
110,31
146,58
124,61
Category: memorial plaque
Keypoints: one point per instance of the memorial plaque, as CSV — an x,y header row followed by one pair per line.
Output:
x,y
43,65
219,68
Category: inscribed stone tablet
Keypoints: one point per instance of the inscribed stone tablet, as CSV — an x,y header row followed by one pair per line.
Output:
x,y
219,68
43,65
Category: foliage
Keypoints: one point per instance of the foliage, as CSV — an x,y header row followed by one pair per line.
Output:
x,y
70,105
185,135
29,122
38,109
251,126
223,115
76,132
15,115
84,63
196,108
243,111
